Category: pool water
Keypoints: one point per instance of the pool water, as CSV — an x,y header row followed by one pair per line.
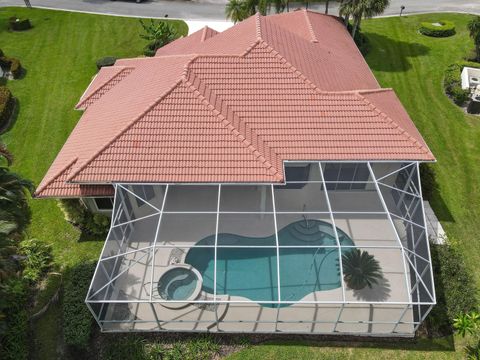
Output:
x,y
251,272
177,284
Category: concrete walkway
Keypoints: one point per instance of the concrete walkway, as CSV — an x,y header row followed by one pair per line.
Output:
x,y
214,10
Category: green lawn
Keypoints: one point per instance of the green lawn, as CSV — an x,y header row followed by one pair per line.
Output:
x,y
59,55
413,65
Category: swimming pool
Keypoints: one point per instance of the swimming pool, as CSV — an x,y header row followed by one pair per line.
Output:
x,y
251,272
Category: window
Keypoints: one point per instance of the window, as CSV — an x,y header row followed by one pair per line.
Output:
x,y
339,176
104,204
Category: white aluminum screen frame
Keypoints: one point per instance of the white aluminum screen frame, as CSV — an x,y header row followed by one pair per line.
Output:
x,y
409,256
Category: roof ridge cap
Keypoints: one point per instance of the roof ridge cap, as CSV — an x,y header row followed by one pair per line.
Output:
x,y
55,176
373,91
123,130
310,28
204,33
237,133
258,28
101,86
291,67
403,132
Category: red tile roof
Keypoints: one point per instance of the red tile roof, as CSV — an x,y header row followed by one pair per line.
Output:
x,y
232,106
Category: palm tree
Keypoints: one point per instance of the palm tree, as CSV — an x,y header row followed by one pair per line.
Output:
x,y
360,269
474,29
357,9
159,34
236,10
13,198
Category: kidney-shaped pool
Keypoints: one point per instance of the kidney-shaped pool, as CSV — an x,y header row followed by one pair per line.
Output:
x,y
251,272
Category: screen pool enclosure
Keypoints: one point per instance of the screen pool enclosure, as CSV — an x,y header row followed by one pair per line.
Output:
x,y
338,248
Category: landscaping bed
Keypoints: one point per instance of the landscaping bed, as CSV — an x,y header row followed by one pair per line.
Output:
x,y
443,28
401,58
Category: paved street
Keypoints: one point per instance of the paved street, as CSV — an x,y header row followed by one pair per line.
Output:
x,y
214,10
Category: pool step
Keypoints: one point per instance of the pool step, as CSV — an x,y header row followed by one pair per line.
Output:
x,y
310,233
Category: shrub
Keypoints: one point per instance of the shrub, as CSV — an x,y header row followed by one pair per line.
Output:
x,y
38,259
455,288
135,347
15,68
452,82
106,61
11,64
428,180
7,104
446,28
77,214
17,24
77,319
13,298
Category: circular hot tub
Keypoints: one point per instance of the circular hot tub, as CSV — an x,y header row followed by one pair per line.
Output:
x,y
180,282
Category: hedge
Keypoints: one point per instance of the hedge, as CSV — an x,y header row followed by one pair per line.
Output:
x,y
14,340
454,287
77,214
105,61
452,82
7,104
446,29
17,24
77,319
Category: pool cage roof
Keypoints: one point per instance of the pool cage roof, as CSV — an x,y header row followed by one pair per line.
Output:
x,y
375,207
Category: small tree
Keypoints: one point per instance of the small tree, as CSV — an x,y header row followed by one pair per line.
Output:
x,y
474,29
158,33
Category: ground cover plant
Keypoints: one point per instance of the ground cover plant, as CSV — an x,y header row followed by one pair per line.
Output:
x,y
399,56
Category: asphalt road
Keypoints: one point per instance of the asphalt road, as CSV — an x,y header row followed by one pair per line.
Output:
x,y
214,10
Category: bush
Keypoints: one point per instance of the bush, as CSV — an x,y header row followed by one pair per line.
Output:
x,y
447,28
77,214
455,288
38,259
17,24
77,319
11,64
428,181
106,61
452,82
7,104
135,347
14,340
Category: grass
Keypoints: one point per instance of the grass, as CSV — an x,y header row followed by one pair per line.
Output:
x,y
59,54
413,65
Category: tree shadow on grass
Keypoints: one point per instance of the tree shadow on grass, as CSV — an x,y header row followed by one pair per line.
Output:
x,y
391,55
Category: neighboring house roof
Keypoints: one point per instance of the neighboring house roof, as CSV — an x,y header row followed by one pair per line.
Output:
x,y
232,106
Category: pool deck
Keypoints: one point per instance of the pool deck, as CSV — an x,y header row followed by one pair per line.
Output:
x,y
134,285
136,270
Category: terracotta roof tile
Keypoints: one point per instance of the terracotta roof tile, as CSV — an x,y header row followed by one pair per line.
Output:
x,y
233,107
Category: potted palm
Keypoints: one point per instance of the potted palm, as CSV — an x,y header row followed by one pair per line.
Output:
x,y
360,269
